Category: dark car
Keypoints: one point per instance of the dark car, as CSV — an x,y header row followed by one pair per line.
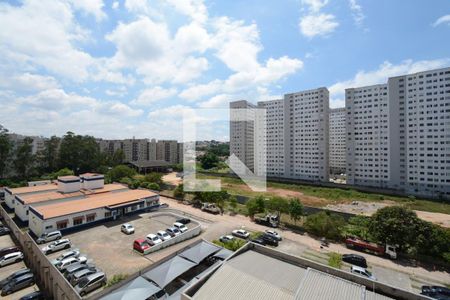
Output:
x,y
33,296
14,276
269,240
17,284
8,250
355,259
4,231
184,221
259,241
436,292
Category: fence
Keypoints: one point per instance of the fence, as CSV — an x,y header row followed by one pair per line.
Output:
x,y
49,279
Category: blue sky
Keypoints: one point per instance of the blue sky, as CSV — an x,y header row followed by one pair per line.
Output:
x,y
117,69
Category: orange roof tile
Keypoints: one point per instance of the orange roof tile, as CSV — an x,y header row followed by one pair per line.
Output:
x,y
68,177
95,201
32,189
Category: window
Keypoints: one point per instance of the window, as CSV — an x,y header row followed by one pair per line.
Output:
x,y
107,214
77,221
91,217
49,227
62,224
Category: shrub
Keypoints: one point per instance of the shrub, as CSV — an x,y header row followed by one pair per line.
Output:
x,y
335,260
116,279
232,245
153,186
325,225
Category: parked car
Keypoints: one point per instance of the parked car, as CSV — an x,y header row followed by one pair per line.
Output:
x,y
64,264
164,236
181,227
362,272
226,238
153,239
67,254
11,258
48,237
8,250
436,292
141,245
184,221
4,231
127,228
273,234
14,276
77,267
57,246
74,278
269,240
355,259
240,233
33,296
90,283
18,284
173,231
259,241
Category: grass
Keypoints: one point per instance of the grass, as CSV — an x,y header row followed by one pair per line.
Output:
x,y
116,279
335,260
331,195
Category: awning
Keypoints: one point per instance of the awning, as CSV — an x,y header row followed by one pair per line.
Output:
x,y
163,274
124,205
139,288
200,251
223,254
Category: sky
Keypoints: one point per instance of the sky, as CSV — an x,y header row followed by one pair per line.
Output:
x,y
131,68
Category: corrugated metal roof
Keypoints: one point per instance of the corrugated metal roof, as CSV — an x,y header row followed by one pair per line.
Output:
x,y
252,275
318,285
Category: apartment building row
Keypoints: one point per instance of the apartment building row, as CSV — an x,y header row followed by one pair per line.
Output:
x,y
394,135
145,150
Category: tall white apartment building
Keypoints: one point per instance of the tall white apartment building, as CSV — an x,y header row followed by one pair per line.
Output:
x,y
167,150
398,134
296,135
338,138
368,138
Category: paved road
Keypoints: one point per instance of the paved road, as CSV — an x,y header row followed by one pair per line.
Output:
x,y
392,277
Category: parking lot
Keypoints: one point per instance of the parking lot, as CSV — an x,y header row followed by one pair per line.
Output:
x,y
6,241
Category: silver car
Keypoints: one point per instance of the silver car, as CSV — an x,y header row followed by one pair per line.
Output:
x,y
57,246
48,237
90,283
77,276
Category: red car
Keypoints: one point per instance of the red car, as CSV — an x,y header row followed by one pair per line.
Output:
x,y
141,245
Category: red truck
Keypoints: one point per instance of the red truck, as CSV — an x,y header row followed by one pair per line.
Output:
x,y
361,245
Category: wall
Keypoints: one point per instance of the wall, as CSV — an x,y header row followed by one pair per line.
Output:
x,y
21,211
48,278
9,199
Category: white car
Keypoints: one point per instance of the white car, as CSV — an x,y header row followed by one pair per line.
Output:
x,y
273,234
164,236
362,272
67,254
64,264
127,228
226,238
181,227
172,231
11,258
56,246
153,239
48,237
240,233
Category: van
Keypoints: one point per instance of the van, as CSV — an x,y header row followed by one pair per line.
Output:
x,y
90,283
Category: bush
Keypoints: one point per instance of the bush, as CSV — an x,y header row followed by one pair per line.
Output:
x,y
116,279
153,186
121,171
325,225
335,260
232,245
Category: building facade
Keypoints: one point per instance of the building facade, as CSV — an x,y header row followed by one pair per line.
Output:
x,y
337,142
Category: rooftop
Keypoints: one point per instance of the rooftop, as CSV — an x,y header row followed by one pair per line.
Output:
x,y
69,177
54,195
32,189
53,210
90,175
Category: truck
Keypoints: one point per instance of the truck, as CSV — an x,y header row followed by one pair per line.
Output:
x,y
268,220
211,208
377,249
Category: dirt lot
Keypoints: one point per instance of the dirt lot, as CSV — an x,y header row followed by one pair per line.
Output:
x,y
172,178
6,241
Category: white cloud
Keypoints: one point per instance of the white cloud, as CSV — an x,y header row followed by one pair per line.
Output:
x,y
121,110
28,82
120,91
93,7
380,75
221,100
318,25
357,12
195,9
192,37
314,5
442,20
115,5
149,96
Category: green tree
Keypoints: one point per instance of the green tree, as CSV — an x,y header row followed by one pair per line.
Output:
x,y
24,159
209,160
121,171
47,158
358,226
432,240
154,177
153,186
118,157
255,206
179,191
295,209
5,150
324,224
277,204
62,172
233,203
79,153
395,225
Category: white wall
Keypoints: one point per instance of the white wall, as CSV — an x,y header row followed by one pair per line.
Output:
x,y
9,199
69,187
21,211
93,184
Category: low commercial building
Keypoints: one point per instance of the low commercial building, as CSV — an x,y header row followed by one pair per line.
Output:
x,y
258,272
65,215
11,193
